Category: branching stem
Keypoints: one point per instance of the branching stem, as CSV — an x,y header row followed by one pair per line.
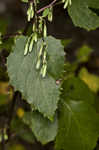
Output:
x,y
48,6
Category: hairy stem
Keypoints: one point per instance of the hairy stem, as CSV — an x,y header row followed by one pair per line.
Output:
x,y
11,112
48,6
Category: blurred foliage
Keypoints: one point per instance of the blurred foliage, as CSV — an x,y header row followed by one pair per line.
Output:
x,y
21,130
3,25
16,147
20,112
6,93
3,75
66,42
83,53
7,44
91,80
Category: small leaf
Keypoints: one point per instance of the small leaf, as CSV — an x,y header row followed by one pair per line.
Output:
x,y
45,31
45,12
44,130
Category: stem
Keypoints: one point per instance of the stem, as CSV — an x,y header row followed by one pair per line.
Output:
x,y
48,6
7,36
35,8
11,113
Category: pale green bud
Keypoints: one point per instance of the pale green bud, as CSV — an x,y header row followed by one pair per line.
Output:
x,y
31,6
29,14
70,2
38,64
34,27
35,37
45,31
66,4
40,26
63,1
5,137
27,46
50,16
44,70
26,49
31,45
44,56
41,49
32,13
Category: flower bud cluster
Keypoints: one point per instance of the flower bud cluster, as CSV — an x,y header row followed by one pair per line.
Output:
x,y
42,59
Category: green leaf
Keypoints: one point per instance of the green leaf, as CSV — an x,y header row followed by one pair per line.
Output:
x,y
78,120
91,80
76,89
43,129
78,126
83,53
43,94
46,12
82,15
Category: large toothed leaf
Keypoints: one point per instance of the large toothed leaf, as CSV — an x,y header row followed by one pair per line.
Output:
x,y
82,15
43,129
41,93
78,122
78,126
